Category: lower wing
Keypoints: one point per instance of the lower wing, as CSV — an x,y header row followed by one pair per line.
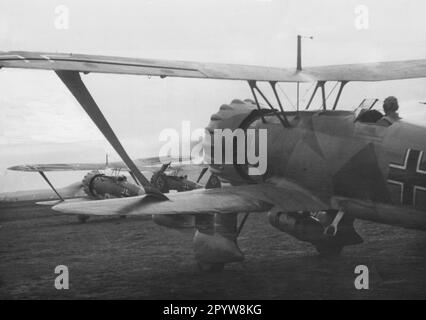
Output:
x,y
248,198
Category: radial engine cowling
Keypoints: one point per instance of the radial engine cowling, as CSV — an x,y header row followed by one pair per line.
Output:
x,y
100,186
238,115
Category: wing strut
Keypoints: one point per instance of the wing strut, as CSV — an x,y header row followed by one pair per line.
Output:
x,y
51,185
282,117
240,227
312,97
324,99
274,88
77,87
342,84
320,85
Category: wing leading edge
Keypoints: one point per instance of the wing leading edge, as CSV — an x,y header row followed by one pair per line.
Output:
x,y
150,67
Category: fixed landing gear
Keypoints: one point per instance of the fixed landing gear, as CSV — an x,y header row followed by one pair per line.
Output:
x,y
215,241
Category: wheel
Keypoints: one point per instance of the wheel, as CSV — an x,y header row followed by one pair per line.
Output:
x,y
83,218
210,267
329,250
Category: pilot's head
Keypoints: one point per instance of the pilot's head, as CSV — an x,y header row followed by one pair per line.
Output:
x,y
390,105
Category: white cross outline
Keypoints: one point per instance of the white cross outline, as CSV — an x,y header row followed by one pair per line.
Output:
x,y
404,167
419,171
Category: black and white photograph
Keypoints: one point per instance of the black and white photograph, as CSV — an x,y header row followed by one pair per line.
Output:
x,y
212,154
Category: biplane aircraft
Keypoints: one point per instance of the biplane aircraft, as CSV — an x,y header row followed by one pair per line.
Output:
x,y
325,167
108,180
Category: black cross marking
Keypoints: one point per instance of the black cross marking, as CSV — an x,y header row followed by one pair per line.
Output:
x,y
410,176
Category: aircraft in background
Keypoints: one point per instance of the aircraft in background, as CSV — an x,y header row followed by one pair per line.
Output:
x,y
325,167
106,181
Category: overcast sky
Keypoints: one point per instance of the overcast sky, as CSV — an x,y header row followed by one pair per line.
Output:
x,y
41,122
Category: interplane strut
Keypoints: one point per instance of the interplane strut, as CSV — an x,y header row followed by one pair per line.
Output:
x,y
321,85
51,185
281,116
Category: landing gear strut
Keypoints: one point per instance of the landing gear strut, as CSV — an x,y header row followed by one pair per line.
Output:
x,y
215,241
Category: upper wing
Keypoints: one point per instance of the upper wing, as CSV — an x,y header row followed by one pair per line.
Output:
x,y
72,191
144,164
379,71
168,68
163,68
248,198
58,167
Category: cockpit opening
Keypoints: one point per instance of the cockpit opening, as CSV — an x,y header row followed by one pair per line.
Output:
x,y
366,113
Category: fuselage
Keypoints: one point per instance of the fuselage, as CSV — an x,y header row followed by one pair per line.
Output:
x,y
333,156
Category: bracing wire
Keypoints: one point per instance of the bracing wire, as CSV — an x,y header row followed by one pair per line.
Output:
x,y
331,91
286,96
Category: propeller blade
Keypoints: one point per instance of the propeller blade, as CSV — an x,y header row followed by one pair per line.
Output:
x,y
75,84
